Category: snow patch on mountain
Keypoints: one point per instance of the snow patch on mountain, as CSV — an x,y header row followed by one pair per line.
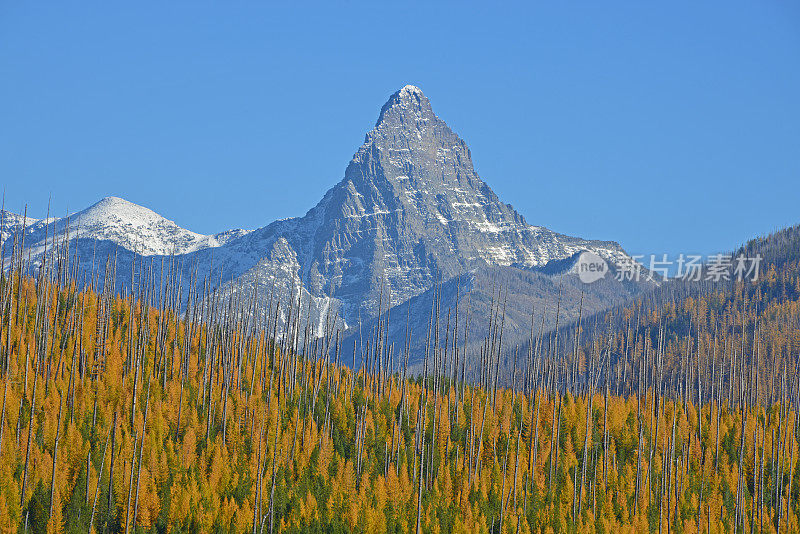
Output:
x,y
128,225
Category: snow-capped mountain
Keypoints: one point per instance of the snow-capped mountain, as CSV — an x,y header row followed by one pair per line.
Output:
x,y
410,212
124,223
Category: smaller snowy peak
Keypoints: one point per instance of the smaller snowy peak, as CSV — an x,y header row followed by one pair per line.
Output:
x,y
124,223
134,227
118,209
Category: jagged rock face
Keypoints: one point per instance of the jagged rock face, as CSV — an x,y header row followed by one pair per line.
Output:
x,y
410,212
274,282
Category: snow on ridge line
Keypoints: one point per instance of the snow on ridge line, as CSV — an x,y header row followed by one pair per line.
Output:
x,y
129,225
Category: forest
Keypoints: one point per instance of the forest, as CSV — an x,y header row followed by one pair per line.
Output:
x,y
148,409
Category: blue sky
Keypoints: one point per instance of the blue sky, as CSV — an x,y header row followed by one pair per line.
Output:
x,y
667,126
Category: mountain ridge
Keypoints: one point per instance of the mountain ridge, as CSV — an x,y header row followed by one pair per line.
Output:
x,y
410,212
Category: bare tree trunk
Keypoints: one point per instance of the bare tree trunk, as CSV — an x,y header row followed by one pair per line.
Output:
x,y
99,480
111,465
55,457
30,434
3,416
130,486
272,491
141,451
419,491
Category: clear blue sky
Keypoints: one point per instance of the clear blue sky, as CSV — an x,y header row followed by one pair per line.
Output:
x,y
667,126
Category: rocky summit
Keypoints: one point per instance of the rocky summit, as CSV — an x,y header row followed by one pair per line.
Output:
x,y
410,212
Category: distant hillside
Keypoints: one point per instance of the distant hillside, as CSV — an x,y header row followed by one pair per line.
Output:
x,y
517,302
755,324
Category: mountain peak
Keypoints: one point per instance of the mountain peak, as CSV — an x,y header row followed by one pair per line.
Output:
x,y
116,208
113,200
136,228
410,100
411,90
